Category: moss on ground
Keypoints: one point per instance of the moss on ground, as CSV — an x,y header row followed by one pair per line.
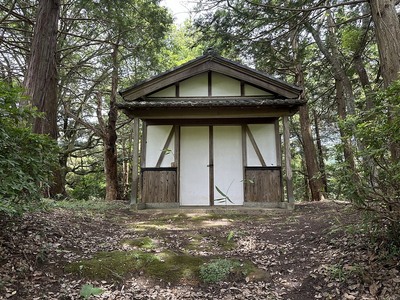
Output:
x,y
225,244
142,242
166,266
195,241
175,267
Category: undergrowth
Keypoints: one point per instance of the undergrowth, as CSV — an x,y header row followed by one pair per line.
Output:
x,y
224,270
89,206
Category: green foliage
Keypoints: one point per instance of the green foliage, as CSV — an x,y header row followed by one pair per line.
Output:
x,y
351,38
89,186
230,236
218,270
375,184
89,290
181,45
26,159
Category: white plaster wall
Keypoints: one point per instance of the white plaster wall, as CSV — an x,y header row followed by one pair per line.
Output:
x,y
194,173
157,136
196,86
167,92
228,163
224,86
264,135
250,90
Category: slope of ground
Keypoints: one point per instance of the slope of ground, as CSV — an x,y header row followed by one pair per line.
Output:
x,y
313,252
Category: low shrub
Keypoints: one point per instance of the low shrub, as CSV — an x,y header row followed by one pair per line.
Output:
x,y
374,185
26,159
218,270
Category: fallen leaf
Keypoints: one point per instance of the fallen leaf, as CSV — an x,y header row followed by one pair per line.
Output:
x,y
373,289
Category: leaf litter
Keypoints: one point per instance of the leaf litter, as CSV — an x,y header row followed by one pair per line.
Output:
x,y
302,254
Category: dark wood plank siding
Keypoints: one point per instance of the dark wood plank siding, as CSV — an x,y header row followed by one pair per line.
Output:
x,y
159,185
266,186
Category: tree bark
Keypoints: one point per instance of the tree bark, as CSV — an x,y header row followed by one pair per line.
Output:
x,y
364,80
358,58
341,110
288,160
110,147
387,33
310,154
321,162
41,77
344,89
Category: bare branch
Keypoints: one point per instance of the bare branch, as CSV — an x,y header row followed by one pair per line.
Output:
x,y
89,126
13,13
99,108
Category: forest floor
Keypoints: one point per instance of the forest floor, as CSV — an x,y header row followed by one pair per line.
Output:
x,y
317,251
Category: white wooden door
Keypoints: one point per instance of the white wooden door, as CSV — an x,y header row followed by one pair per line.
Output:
x,y
194,171
228,164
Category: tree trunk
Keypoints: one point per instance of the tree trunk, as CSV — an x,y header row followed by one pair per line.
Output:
x,y
321,162
110,148
344,89
364,80
341,109
358,57
305,181
310,155
41,77
387,33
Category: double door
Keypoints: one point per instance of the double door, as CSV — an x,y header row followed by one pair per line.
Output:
x,y
211,165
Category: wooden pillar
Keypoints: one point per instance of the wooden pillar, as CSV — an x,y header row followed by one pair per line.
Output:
x,y
135,162
288,160
211,163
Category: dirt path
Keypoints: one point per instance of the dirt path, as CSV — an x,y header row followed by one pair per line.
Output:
x,y
308,253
